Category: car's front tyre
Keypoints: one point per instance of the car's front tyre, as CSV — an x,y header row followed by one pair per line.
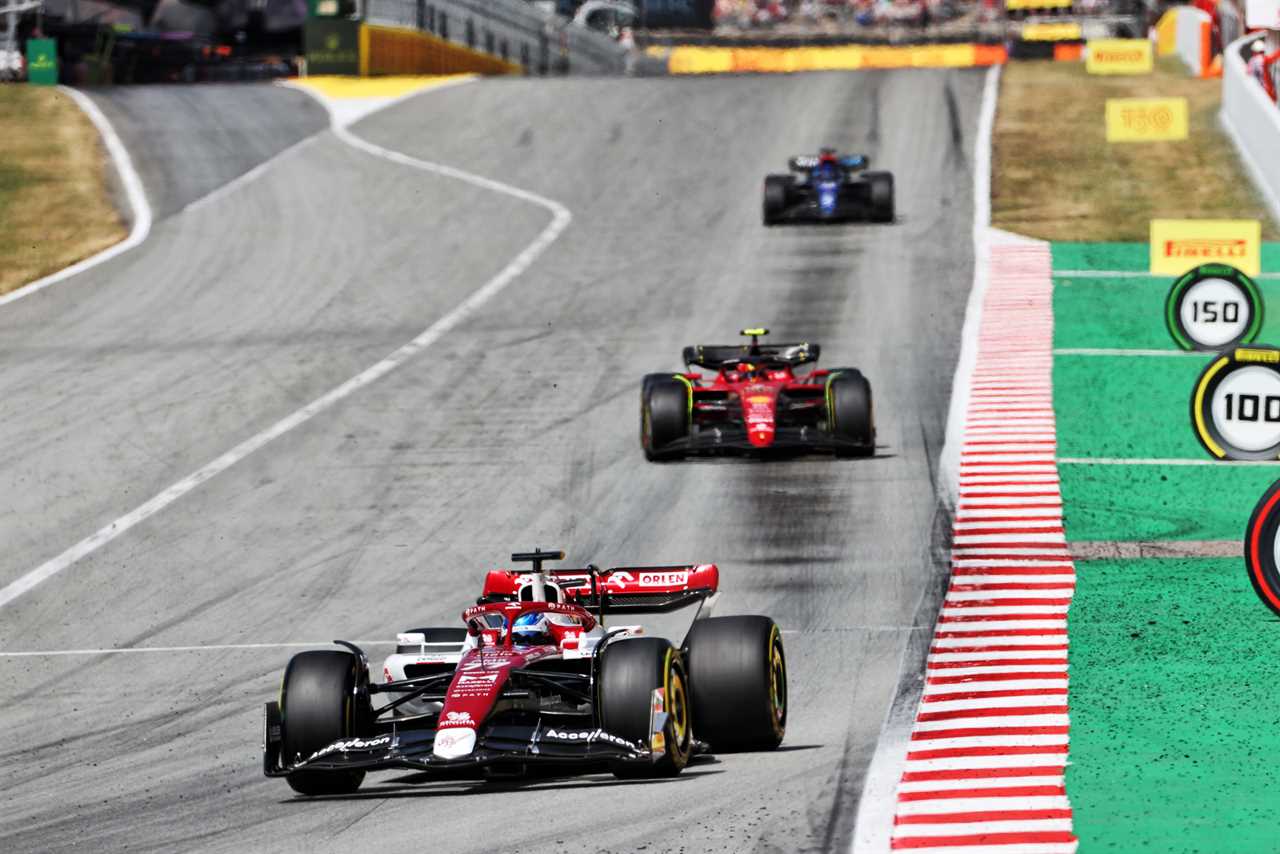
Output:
x,y
318,706
637,676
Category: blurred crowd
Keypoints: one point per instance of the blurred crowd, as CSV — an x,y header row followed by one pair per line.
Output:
x,y
746,13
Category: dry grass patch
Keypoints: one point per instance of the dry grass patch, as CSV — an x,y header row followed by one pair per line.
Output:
x,y
1057,178
54,204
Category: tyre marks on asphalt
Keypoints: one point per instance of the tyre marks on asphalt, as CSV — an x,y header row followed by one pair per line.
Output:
x,y
988,750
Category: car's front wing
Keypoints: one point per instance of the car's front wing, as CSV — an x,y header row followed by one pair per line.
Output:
x,y
413,749
733,438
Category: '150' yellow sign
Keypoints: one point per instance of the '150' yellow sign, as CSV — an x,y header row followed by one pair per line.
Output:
x,y
1119,56
1146,119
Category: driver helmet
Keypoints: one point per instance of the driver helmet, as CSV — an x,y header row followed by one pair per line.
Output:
x,y
532,629
828,155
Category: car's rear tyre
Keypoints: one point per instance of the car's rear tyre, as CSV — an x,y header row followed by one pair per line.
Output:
x,y
318,706
664,416
880,195
631,671
850,416
777,190
738,677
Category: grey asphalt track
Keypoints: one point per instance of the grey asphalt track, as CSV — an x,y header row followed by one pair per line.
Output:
x,y
517,429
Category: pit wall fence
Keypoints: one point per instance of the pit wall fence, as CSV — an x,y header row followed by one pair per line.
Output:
x,y
1252,121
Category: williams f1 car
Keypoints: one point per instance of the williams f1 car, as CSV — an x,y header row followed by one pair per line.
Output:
x,y
828,188
539,675
755,401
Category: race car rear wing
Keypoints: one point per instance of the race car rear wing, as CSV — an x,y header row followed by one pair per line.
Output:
x,y
617,590
715,356
809,162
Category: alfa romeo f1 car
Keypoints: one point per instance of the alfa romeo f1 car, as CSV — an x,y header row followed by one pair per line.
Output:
x,y
755,401
538,675
828,188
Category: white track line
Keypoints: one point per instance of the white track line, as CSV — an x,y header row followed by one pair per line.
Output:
x,y
1130,274
1111,351
873,828
1125,461
133,190
559,222
214,647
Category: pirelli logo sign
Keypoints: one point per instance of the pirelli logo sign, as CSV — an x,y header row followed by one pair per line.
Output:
x,y
1177,245
1119,56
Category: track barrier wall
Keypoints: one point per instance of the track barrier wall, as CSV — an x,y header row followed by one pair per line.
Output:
x,y
1193,38
1253,122
395,50
729,60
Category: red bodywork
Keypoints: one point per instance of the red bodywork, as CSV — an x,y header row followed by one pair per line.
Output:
x,y
751,395
483,671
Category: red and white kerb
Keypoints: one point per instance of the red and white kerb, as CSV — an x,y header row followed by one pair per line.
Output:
x,y
984,769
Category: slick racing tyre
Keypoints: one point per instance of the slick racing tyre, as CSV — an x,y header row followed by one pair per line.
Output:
x,y
637,675
849,413
738,677
318,706
777,189
880,186
664,415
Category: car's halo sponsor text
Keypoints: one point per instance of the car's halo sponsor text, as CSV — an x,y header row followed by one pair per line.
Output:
x,y
1177,245
1119,56
1212,307
1147,119
1235,405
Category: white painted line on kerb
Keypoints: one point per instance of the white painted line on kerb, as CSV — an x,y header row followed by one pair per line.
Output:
x,y
1124,461
1131,274
214,647
1110,351
873,827
559,222
133,190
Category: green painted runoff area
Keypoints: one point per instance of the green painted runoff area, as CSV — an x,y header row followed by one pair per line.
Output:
x,y
1174,668
1174,721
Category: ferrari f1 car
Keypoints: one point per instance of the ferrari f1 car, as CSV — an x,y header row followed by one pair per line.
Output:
x,y
755,401
828,188
538,675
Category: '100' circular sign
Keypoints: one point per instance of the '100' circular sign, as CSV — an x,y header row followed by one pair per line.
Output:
x,y
1235,406
1212,307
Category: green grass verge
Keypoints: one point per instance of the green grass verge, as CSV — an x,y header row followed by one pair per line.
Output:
x,y
1174,676
1174,719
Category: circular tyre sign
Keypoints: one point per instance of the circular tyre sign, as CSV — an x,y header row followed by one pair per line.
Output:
x,y
1212,307
1262,548
1235,406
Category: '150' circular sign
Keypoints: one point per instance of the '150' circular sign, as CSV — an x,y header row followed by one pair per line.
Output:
x,y
1212,307
1262,548
1235,406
